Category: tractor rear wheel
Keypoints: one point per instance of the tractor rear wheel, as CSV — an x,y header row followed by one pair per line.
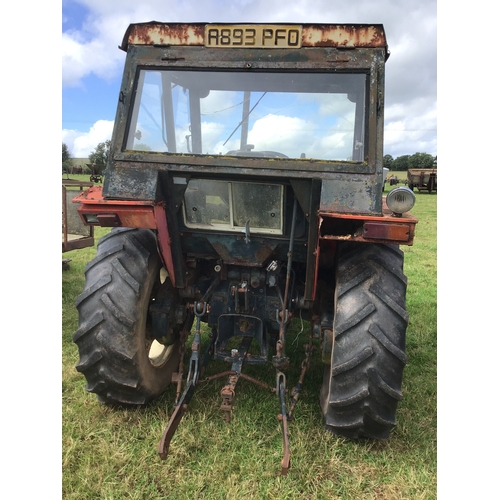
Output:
x,y
120,359
362,386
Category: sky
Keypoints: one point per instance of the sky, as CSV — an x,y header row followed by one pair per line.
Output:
x,y
92,64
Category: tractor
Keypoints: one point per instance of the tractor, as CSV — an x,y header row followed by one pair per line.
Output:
x,y
244,188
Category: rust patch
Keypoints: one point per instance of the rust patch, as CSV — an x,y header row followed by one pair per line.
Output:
x,y
235,256
313,35
94,196
156,33
348,36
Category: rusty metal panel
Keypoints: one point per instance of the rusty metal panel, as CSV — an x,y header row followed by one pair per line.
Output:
x,y
237,252
349,195
94,196
382,231
135,180
164,242
154,33
127,213
368,228
346,35
312,35
112,215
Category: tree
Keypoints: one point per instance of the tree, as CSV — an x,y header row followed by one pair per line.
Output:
x,y
416,160
66,155
400,164
67,163
388,161
100,154
421,160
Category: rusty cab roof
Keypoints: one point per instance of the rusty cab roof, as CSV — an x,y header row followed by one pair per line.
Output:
x,y
347,36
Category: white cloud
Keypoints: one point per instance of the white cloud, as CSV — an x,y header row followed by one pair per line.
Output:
x,y
81,144
92,48
414,123
81,58
280,133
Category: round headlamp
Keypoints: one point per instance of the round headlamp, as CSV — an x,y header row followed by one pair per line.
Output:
x,y
400,200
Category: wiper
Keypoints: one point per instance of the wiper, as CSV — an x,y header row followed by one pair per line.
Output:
x,y
245,118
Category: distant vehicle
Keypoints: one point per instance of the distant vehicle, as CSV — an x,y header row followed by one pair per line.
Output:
x,y
96,172
424,179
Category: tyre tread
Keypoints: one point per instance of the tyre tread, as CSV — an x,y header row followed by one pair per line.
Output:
x,y
115,311
355,320
110,336
126,276
363,386
93,289
352,362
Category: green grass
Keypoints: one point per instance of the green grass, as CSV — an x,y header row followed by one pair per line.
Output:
x,y
112,454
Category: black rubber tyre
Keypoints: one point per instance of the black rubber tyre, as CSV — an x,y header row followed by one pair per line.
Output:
x,y
362,386
116,349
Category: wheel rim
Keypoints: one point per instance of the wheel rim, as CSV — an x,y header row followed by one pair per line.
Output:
x,y
159,354
163,275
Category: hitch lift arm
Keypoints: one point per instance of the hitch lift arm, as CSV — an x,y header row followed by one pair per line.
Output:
x,y
194,372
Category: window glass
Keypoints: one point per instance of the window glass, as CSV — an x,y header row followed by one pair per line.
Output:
x,y
207,203
234,206
294,115
257,204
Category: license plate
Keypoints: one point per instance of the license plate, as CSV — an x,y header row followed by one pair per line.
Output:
x,y
253,36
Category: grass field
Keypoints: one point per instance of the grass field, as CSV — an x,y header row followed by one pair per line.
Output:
x,y
111,454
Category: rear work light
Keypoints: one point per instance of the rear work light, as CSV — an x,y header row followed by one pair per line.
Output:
x,y
400,200
91,219
104,220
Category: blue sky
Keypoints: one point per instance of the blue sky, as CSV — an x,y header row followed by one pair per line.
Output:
x,y
95,99
92,64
